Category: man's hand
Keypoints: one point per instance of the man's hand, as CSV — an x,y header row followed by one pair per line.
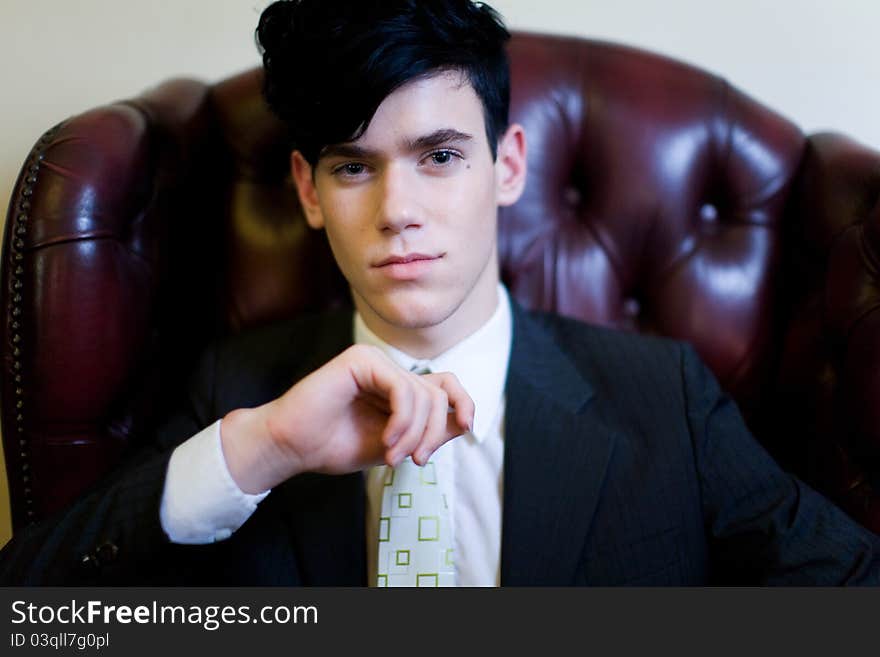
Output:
x,y
356,411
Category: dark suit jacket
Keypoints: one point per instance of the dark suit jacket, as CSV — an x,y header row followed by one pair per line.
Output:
x,y
624,464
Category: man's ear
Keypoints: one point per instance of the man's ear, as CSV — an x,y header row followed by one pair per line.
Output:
x,y
510,165
305,188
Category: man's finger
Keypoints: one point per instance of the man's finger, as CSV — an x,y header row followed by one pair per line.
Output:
x,y
435,433
381,404
377,376
413,433
459,400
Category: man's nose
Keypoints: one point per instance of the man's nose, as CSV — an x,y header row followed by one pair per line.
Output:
x,y
398,205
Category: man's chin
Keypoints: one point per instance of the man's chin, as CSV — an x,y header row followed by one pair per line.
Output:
x,y
412,314
413,319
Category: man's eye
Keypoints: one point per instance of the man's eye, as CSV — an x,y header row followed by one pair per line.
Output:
x,y
351,169
442,158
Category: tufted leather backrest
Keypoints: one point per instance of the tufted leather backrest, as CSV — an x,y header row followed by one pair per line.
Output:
x,y
655,201
660,199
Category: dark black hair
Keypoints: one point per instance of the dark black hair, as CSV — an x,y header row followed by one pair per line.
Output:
x,y
329,64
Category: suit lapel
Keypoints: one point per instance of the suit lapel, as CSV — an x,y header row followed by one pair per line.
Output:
x,y
556,451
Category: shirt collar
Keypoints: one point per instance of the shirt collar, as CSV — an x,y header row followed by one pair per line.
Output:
x,y
479,361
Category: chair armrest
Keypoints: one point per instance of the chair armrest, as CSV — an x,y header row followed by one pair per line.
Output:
x,y
832,343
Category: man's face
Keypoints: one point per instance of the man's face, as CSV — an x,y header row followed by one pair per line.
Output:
x,y
410,208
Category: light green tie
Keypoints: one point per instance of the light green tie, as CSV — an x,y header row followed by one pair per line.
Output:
x,y
415,546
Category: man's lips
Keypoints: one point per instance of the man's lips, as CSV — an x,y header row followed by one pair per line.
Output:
x,y
406,259
409,267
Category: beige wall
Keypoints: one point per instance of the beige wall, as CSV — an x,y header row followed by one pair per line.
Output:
x,y
814,61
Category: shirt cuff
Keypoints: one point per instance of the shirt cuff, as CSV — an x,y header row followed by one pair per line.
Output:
x,y
201,502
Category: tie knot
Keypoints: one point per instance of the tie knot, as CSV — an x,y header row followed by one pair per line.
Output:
x,y
420,368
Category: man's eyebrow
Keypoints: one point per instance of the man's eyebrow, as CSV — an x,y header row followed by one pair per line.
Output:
x,y
352,151
432,140
437,138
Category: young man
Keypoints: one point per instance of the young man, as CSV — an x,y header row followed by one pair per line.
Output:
x,y
553,453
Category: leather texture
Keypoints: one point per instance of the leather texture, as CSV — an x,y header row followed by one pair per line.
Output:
x,y
660,199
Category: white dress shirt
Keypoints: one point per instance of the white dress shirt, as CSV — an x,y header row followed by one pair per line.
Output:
x,y
201,502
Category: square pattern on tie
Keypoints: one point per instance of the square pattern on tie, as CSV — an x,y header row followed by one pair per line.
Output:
x,y
415,547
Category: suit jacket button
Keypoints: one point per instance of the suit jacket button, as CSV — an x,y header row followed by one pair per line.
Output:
x,y
106,553
89,562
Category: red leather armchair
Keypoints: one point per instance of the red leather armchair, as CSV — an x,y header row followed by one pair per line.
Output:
x,y
660,199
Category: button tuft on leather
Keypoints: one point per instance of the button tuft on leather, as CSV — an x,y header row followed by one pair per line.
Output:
x,y
631,307
572,196
709,213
